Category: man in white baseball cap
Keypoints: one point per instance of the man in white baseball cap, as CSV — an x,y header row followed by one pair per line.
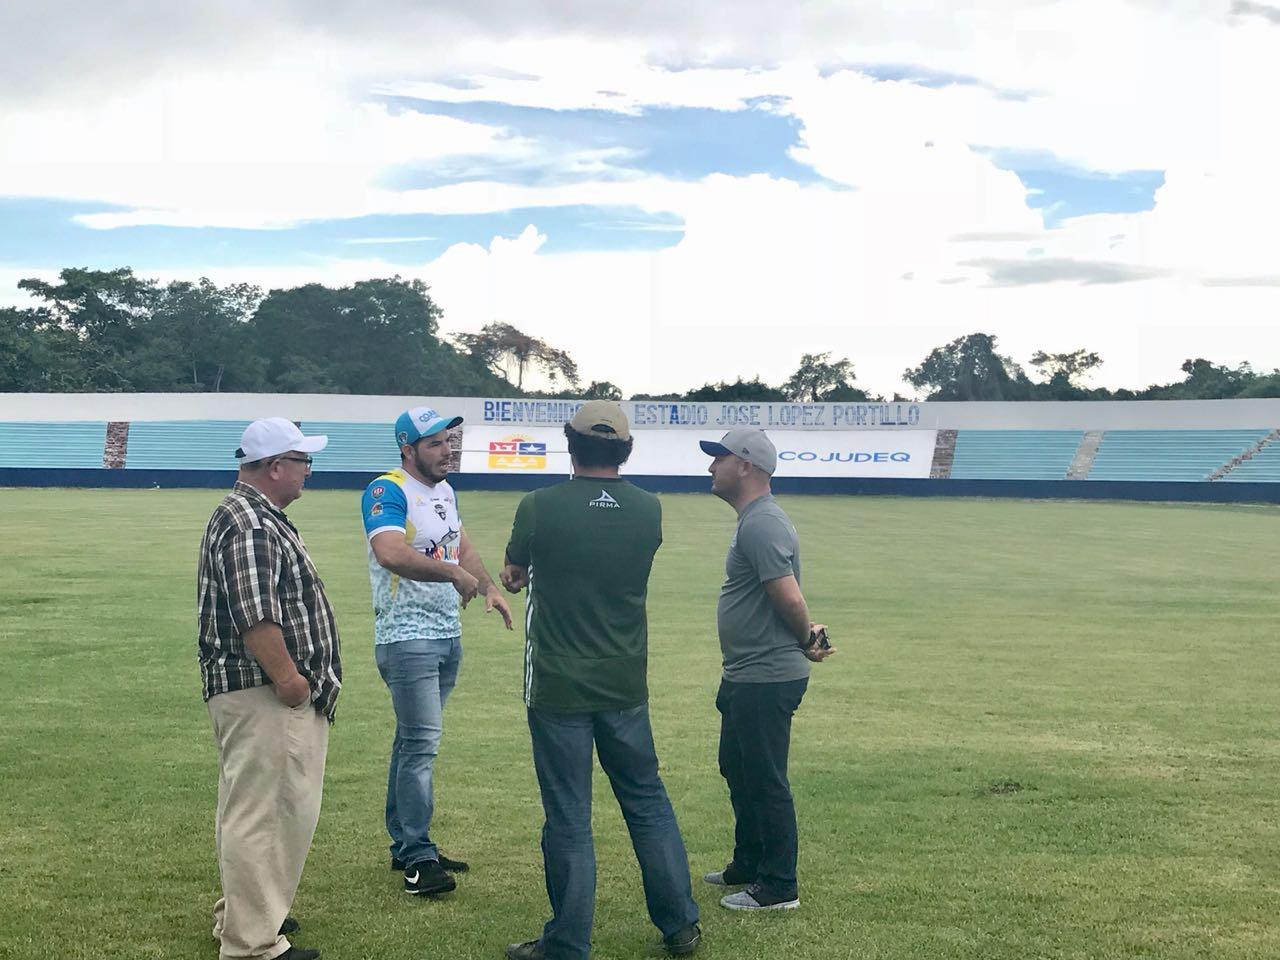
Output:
x,y
273,436
276,454
271,671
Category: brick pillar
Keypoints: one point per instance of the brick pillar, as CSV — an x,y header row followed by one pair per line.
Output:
x,y
944,452
455,444
116,449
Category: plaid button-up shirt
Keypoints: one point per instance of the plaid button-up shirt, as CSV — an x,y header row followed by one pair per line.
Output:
x,y
254,567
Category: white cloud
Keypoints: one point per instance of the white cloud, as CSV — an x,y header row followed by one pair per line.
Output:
x,y
259,134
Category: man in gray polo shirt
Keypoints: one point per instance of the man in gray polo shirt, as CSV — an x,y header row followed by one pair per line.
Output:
x,y
767,641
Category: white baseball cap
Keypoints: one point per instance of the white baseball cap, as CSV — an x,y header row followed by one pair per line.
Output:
x,y
273,436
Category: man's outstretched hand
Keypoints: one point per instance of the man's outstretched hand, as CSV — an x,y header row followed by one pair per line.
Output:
x,y
494,600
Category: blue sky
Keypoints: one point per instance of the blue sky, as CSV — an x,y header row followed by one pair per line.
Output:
x,y
44,233
1061,191
680,144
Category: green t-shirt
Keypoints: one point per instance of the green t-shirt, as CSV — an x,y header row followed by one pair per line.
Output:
x,y
589,546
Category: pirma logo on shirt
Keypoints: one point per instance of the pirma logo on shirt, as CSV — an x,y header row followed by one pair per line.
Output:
x,y
605,502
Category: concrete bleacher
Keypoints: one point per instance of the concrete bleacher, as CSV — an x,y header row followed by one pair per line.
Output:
x,y
367,447
67,445
183,444
1014,454
1168,455
1262,467
1152,449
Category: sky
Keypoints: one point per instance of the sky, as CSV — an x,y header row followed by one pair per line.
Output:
x,y
678,193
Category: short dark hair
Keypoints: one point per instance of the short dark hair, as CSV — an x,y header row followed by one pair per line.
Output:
x,y
592,451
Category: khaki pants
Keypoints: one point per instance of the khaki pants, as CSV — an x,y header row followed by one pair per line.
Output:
x,y
271,772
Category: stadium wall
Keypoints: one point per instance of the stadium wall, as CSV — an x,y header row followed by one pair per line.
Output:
x,y
1144,450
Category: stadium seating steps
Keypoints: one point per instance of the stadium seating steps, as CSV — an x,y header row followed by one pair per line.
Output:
x,y
1177,455
66,445
1141,455
1014,454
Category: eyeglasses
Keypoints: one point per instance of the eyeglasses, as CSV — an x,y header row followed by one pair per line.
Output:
x,y
306,460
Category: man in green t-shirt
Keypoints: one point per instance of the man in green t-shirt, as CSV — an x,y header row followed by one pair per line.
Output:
x,y
584,549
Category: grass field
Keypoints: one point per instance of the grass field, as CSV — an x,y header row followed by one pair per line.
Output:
x,y
1052,731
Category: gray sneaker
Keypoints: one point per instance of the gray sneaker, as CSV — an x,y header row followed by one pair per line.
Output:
x,y
730,876
753,898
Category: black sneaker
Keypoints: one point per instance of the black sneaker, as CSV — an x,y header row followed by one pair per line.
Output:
x,y
683,941
289,926
731,876
453,866
297,953
529,950
427,878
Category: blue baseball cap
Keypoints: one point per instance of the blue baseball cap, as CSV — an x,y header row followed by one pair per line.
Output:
x,y
419,422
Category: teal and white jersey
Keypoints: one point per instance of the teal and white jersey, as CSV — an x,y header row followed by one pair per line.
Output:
x,y
428,518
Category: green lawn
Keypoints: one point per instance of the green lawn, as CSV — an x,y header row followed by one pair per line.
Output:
x,y
1051,732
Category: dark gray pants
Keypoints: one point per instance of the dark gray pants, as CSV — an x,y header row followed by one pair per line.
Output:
x,y
755,738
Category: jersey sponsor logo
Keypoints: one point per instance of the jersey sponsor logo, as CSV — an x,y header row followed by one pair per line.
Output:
x,y
440,511
377,491
605,502
517,452
375,510
446,548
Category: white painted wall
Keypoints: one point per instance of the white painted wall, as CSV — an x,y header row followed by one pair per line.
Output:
x,y
1103,415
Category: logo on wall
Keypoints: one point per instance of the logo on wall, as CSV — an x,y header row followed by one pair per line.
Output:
x,y
517,452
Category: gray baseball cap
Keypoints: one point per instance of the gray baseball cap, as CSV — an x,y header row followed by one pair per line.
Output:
x,y
749,443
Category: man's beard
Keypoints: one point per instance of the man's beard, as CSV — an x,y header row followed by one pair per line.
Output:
x,y
442,468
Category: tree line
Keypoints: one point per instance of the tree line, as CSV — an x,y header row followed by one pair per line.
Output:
x,y
101,331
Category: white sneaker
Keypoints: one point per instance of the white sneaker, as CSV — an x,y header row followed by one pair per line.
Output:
x,y
746,900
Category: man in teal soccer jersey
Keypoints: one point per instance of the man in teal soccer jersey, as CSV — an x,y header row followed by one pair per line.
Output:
x,y
584,548
421,565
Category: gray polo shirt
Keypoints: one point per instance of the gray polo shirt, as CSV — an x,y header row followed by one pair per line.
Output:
x,y
755,642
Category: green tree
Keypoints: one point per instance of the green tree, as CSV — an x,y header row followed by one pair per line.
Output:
x,y
602,390
1204,381
1062,372
376,336
753,390
509,352
37,356
818,376
104,311
969,368
207,334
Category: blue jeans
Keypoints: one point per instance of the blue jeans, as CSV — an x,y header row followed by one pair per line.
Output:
x,y
562,758
420,675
